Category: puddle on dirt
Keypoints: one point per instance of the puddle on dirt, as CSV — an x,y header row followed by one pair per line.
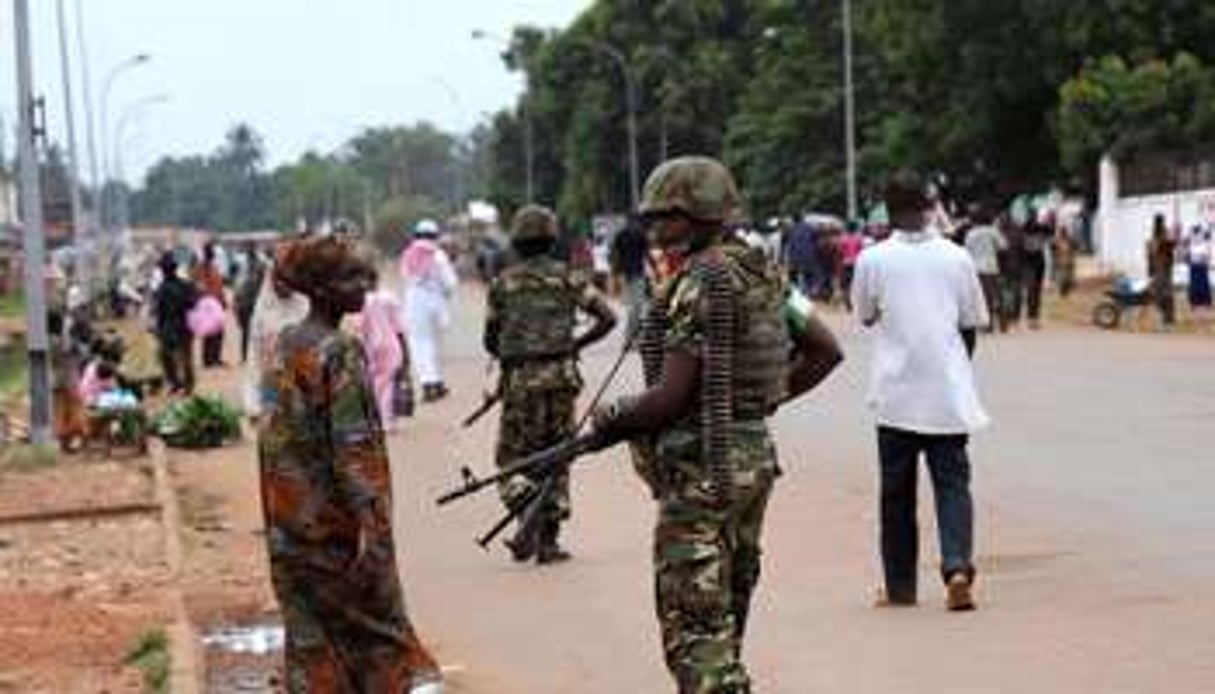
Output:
x,y
258,639
244,658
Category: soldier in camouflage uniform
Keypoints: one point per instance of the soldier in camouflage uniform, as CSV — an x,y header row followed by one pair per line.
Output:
x,y
533,305
721,353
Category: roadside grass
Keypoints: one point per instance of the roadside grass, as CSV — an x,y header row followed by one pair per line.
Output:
x,y
12,374
151,657
22,457
11,305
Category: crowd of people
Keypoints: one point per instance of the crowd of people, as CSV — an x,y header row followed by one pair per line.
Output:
x,y
714,313
717,322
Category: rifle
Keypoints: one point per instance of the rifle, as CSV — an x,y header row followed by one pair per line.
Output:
x,y
488,401
533,465
543,465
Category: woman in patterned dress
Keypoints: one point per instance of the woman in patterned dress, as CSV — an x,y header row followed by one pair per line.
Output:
x,y
326,495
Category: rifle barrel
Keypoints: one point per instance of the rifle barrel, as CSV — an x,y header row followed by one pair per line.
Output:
x,y
553,455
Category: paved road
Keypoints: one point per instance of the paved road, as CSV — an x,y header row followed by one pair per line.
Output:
x,y
1096,535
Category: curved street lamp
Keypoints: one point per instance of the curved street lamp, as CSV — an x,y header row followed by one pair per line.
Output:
x,y
128,116
528,145
114,73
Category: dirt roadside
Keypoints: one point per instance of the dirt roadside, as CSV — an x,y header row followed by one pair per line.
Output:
x,y
78,593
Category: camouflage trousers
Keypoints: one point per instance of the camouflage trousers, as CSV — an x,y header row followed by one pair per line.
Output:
x,y
533,420
706,567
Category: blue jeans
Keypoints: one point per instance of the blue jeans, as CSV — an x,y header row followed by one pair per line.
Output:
x,y
899,453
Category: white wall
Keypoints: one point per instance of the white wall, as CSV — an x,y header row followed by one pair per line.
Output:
x,y
1124,224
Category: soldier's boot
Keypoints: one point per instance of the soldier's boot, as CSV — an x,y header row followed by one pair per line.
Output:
x,y
523,545
550,552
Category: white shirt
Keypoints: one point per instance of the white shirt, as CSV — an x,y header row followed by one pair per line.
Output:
x,y
984,244
917,291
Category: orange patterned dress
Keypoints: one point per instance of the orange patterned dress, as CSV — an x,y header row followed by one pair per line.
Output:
x,y
324,465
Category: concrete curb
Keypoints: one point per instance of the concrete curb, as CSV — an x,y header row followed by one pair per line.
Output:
x,y
185,677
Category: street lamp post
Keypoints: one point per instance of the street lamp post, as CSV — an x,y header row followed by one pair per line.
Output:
x,y
37,339
528,144
114,74
127,117
849,112
630,101
79,261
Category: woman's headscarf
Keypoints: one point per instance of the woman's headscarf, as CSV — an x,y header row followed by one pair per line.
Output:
x,y
307,266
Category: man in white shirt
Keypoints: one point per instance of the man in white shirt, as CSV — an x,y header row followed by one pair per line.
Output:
x,y
985,242
921,296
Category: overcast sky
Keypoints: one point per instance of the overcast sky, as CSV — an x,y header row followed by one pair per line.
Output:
x,y
304,73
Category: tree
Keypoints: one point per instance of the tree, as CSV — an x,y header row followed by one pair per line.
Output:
x,y
1120,109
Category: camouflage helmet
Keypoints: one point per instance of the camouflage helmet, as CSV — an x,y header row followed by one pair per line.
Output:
x,y
533,222
699,187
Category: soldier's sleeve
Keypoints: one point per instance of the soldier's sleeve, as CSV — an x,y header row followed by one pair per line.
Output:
x,y
686,329
589,300
493,318
359,458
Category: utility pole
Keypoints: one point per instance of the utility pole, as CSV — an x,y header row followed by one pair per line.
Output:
x,y
80,259
90,132
37,342
630,105
849,112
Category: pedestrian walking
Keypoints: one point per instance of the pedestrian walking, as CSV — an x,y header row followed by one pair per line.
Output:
x,y
1038,235
850,246
921,296
985,243
715,348
801,257
248,286
382,332
1063,256
1161,252
209,278
630,251
277,307
327,494
1198,256
172,302
430,282
533,306
1012,271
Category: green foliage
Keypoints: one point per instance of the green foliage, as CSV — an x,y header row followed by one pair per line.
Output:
x,y
151,656
999,97
225,191
199,421
966,88
11,305
395,218
13,374
229,190
1122,109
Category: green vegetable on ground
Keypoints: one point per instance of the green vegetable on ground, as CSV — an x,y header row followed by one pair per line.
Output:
x,y
200,421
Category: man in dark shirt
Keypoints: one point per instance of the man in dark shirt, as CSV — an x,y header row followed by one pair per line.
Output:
x,y
171,303
630,251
